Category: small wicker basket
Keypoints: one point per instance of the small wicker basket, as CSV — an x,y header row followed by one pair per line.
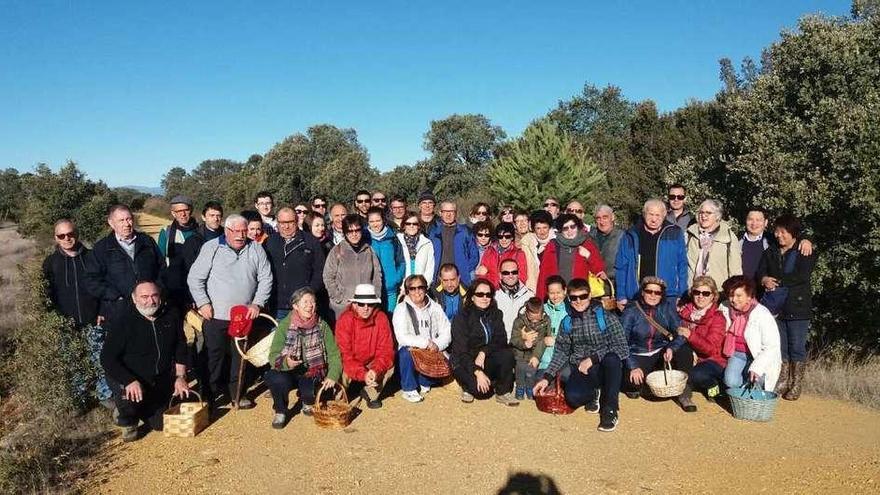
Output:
x,y
609,302
667,382
432,364
553,402
185,419
752,404
332,414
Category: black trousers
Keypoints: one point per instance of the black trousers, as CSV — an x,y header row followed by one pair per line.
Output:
x,y
150,409
499,368
682,359
280,383
223,361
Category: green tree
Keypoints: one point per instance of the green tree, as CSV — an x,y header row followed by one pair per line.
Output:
x,y
10,195
544,162
406,180
340,178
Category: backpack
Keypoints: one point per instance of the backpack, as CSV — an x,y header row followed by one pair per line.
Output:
x,y
565,326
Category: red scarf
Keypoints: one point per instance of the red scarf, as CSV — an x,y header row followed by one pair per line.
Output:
x,y
738,321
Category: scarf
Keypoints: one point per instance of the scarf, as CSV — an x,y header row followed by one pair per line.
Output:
x,y
738,321
380,235
304,342
706,240
411,243
695,316
172,234
572,243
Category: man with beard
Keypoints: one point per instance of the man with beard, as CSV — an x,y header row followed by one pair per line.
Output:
x,y
144,358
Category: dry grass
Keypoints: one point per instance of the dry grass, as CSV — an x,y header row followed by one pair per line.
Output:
x,y
14,250
846,377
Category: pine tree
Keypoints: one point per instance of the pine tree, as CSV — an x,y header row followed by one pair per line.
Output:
x,y
544,162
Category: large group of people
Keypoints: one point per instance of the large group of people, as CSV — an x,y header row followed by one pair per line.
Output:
x,y
516,303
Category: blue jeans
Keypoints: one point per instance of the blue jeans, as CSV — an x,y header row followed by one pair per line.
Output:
x,y
793,339
95,336
737,371
706,375
605,375
410,379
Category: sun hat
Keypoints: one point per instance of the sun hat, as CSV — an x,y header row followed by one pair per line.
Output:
x,y
365,294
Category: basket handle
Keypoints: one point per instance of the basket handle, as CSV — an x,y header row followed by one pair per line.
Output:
x,y
667,368
236,340
201,402
558,384
321,391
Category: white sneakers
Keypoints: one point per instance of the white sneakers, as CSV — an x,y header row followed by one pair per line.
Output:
x,y
412,396
423,390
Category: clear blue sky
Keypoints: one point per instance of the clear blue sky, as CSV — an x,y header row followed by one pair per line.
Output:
x,y
131,89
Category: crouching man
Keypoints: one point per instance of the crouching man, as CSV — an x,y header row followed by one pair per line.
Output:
x,y
144,357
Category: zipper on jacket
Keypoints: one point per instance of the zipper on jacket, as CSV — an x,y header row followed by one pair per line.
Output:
x,y
158,351
76,291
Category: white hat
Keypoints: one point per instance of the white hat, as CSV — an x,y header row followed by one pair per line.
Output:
x,y
365,293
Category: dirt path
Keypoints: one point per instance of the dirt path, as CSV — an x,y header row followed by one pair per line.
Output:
x,y
150,224
443,446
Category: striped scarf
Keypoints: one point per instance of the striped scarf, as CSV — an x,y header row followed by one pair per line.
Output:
x,y
305,342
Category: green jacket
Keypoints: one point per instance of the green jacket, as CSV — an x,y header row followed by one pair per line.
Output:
x,y
521,323
332,357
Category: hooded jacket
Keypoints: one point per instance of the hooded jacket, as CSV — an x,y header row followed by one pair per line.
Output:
x,y
67,291
476,330
522,324
417,327
510,302
580,267
492,261
364,344
556,312
391,260
671,262
725,254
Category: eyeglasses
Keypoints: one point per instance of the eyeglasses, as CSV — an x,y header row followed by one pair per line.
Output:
x,y
506,212
510,272
362,201
505,236
182,210
549,204
286,222
482,213
574,211
706,213
411,224
570,226
652,292
301,211
319,205
361,305
234,231
482,234
417,287
65,235
578,297
704,293
673,197
482,294
447,211
398,207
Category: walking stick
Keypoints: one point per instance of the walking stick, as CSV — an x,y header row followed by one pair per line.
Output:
x,y
241,365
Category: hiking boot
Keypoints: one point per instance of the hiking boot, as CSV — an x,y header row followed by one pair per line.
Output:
x,y
507,399
684,400
245,403
412,396
129,433
520,393
608,421
797,380
423,390
307,409
784,382
372,404
279,421
466,397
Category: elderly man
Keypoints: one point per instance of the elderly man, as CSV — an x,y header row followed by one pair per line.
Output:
x,y
119,260
454,243
65,271
297,261
362,200
265,204
211,228
363,335
652,247
144,357
337,215
607,236
427,217
512,295
574,207
398,211
551,206
171,241
677,212
230,271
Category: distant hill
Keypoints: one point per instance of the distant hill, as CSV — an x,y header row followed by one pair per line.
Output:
x,y
156,191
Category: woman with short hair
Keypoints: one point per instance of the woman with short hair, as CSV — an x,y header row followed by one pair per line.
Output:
x,y
351,262
712,247
572,254
418,250
498,252
703,327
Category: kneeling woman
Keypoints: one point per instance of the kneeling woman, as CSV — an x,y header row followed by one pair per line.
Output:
x,y
651,323
589,351
419,323
481,358
703,326
303,354
751,343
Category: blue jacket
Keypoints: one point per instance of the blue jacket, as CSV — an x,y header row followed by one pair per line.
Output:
x,y
672,264
466,254
638,331
391,260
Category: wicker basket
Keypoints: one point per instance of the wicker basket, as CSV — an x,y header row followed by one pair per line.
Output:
x,y
609,302
185,419
553,402
432,364
192,325
667,382
332,414
752,404
258,354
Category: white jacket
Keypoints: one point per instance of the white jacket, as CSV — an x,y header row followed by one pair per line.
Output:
x,y
432,322
510,305
424,258
762,337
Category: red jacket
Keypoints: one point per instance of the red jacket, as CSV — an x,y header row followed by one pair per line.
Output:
x,y
707,335
580,267
364,344
492,261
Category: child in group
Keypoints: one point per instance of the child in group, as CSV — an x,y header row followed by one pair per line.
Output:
x,y
554,308
529,329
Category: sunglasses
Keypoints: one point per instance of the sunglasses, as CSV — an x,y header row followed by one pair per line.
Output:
x,y
679,197
652,292
505,236
570,226
574,211
379,200
548,204
482,294
417,287
411,224
510,272
319,205
704,293
301,211
482,234
361,305
286,222
482,213
66,235
506,212
362,201
353,231
578,297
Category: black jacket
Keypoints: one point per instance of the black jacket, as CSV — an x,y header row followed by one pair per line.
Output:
x,y
469,336
67,289
111,274
799,303
193,245
143,350
297,264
